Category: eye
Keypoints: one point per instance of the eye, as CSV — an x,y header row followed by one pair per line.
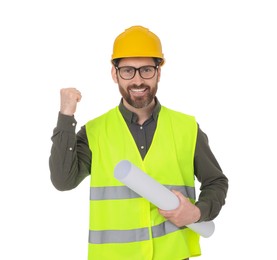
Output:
x,y
147,69
127,70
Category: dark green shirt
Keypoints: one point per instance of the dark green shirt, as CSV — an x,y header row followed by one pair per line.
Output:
x,y
70,159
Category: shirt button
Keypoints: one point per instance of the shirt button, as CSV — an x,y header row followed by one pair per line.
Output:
x,y
70,149
142,147
141,127
73,124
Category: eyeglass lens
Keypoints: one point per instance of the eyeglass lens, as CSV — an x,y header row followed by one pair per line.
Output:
x,y
146,72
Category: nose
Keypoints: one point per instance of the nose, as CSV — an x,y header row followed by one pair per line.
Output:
x,y
137,79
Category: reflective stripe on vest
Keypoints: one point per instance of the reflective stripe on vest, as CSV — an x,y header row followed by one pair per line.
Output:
x,y
134,235
123,192
118,236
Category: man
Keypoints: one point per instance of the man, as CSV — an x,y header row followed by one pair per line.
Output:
x,y
167,145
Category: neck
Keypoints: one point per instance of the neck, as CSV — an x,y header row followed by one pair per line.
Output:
x,y
142,113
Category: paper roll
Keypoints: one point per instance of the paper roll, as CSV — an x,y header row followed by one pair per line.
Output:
x,y
159,195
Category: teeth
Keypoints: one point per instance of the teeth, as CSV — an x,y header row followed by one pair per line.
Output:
x,y
137,90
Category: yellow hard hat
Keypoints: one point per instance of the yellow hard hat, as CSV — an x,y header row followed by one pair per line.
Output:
x,y
137,41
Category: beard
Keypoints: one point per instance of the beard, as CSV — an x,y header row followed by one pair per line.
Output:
x,y
139,101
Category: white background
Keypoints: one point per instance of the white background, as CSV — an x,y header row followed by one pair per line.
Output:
x,y
221,64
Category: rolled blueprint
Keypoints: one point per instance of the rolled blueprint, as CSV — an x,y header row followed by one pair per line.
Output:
x,y
156,193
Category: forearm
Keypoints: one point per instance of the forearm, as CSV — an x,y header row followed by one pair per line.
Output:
x,y
68,162
214,184
212,198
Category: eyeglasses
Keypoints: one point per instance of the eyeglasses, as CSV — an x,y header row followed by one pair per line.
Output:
x,y
129,72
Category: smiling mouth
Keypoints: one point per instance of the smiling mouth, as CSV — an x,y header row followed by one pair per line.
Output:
x,y
136,90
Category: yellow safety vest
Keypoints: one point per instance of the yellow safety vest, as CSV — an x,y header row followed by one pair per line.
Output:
x,y
123,225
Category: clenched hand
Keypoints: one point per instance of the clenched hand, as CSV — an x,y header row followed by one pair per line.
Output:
x,y
69,99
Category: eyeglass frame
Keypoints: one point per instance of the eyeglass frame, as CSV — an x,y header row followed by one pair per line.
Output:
x,y
137,69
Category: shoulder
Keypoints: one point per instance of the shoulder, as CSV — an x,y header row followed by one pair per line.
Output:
x,y
102,118
177,114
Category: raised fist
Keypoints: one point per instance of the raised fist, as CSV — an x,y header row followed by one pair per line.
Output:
x,y
69,99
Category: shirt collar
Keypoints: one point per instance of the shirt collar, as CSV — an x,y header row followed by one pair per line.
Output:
x,y
132,117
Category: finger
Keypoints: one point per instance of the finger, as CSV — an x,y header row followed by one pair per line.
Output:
x,y
179,195
79,97
176,192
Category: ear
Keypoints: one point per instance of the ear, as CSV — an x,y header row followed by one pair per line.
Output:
x,y
159,73
114,74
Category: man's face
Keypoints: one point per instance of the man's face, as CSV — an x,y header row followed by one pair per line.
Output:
x,y
137,92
